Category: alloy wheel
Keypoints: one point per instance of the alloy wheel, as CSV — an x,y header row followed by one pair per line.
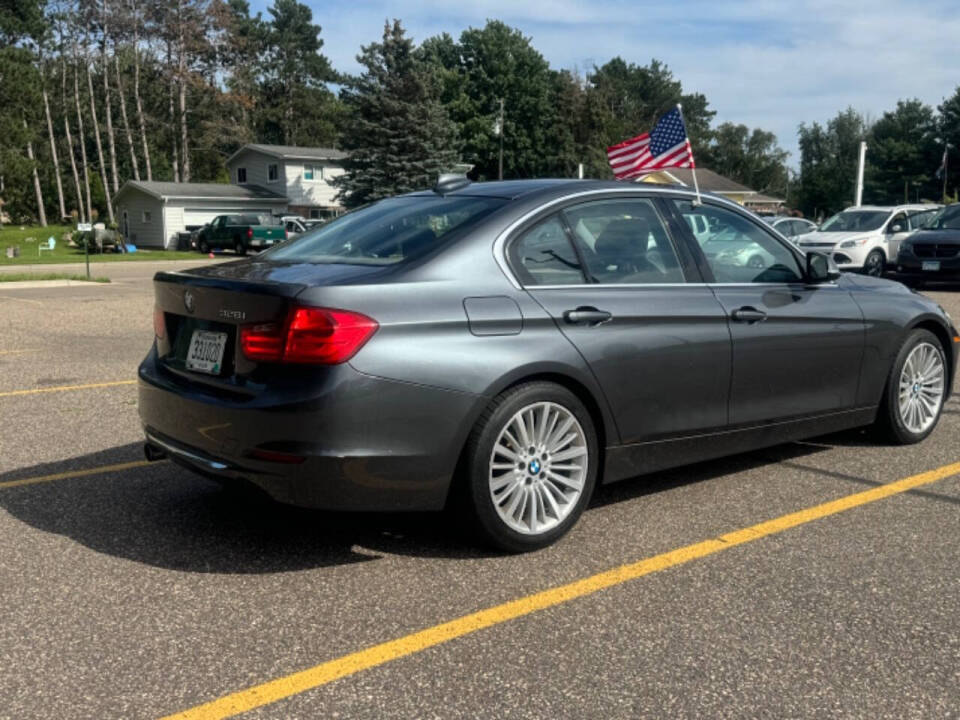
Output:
x,y
921,387
874,264
538,468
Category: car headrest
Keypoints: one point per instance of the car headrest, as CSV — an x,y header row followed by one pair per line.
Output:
x,y
624,236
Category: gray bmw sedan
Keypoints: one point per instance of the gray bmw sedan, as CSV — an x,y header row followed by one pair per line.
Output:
x,y
515,343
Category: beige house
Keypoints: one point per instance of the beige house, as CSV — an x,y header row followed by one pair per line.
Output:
x,y
302,174
708,180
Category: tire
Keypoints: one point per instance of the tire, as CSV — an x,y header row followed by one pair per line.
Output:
x,y
874,264
915,392
203,246
521,501
239,248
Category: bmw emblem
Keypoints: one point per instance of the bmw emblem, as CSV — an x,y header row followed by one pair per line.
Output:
x,y
189,302
534,467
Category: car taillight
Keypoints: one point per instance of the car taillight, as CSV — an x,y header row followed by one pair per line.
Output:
x,y
249,232
262,343
310,335
159,323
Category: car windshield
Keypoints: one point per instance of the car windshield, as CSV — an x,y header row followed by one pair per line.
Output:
x,y
946,219
386,232
855,220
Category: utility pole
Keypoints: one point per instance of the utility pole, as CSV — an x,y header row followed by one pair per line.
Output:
x,y
863,158
500,126
946,154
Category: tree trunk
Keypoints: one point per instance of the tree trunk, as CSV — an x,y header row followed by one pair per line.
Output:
x,y
111,140
136,90
42,213
81,210
123,115
96,135
53,143
80,137
181,73
173,119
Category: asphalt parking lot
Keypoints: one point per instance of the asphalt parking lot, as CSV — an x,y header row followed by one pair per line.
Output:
x,y
130,590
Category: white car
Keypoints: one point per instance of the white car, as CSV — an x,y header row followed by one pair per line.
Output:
x,y
790,227
867,238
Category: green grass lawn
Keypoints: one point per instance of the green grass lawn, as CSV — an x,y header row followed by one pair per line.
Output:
x,y
30,237
28,276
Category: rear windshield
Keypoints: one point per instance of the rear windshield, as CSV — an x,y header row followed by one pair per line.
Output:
x,y
386,232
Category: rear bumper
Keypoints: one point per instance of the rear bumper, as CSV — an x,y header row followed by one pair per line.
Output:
x,y
367,443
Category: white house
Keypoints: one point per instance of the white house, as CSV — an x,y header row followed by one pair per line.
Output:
x,y
302,174
151,214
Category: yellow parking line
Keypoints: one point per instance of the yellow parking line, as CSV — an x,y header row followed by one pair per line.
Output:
x,y
16,352
65,388
70,474
298,682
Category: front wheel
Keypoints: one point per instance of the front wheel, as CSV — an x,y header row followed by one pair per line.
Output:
x,y
531,465
874,263
203,246
916,387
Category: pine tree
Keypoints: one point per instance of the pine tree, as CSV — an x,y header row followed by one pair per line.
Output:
x,y
399,137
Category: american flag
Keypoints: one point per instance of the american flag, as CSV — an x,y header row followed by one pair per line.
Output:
x,y
667,145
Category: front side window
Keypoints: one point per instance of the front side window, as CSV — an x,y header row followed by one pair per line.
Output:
x,y
273,172
241,175
543,255
624,242
387,232
739,251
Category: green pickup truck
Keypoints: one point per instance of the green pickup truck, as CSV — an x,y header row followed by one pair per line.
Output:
x,y
241,233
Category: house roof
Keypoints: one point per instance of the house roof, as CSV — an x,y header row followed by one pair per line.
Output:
x,y
202,191
292,152
760,199
708,180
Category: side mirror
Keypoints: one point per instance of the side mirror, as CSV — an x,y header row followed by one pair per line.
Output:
x,y
821,268
896,228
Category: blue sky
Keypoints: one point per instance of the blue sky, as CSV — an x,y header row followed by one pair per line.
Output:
x,y
764,64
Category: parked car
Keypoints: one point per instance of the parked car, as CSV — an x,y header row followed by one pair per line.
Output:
x,y
508,345
294,227
933,252
790,227
241,233
866,238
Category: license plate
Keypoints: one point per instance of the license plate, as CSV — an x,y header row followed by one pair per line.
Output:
x,y
206,351
931,265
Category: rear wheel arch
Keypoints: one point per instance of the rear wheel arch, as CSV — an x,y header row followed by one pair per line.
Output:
x,y
601,423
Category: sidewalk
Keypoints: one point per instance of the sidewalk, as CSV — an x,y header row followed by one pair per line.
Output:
x,y
116,271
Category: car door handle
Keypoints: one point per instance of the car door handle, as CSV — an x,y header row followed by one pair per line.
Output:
x,y
748,314
586,316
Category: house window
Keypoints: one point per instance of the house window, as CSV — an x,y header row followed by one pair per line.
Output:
x,y
241,175
308,172
146,216
313,172
273,172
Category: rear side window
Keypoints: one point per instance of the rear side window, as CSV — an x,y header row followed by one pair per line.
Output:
x,y
624,242
543,255
387,232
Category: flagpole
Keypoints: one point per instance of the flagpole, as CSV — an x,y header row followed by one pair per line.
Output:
x,y
693,163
